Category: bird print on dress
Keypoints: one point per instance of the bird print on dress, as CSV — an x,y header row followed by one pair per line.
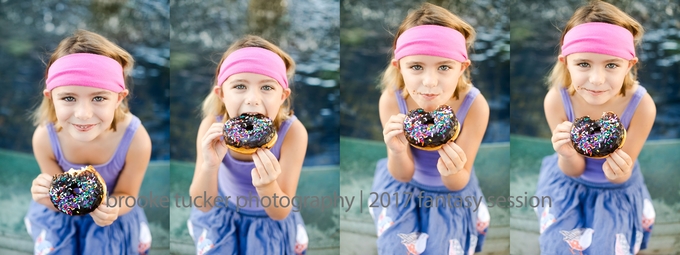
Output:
x,y
415,242
384,222
621,247
42,246
301,240
648,215
455,248
578,239
547,219
483,218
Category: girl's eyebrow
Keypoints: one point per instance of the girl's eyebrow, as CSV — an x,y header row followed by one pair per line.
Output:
x,y
445,62
608,60
75,94
414,63
239,81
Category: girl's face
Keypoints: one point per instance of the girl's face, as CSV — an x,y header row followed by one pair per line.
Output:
x,y
84,112
252,93
430,80
597,78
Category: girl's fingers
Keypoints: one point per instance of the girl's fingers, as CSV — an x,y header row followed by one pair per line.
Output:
x,y
259,166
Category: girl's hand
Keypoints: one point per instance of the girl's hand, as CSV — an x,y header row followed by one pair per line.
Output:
x,y
393,134
105,215
561,140
41,186
267,168
213,145
617,164
452,159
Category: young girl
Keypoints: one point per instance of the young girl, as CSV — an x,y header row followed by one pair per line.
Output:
x,y
599,206
84,120
252,77
430,68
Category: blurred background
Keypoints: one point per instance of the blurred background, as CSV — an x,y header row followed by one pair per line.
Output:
x,y
536,30
308,30
29,31
366,36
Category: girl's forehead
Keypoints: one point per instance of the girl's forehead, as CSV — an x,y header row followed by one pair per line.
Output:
x,y
588,56
427,59
80,90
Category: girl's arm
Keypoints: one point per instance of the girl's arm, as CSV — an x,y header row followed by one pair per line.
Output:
x,y
132,175
204,182
469,141
42,151
570,162
293,152
636,136
399,162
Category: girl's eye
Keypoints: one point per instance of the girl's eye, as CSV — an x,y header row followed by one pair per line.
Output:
x,y
98,99
583,64
417,67
444,68
240,86
267,87
69,99
612,65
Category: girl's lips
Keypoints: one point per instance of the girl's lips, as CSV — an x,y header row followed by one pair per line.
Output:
x,y
595,92
84,128
429,96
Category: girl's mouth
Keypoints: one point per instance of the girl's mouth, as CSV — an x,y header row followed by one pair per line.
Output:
x,y
84,128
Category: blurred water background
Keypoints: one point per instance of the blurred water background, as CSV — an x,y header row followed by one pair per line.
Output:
x,y
366,39
308,30
536,30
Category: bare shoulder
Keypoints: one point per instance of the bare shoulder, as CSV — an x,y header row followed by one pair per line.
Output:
x,y
296,135
42,145
646,110
387,105
141,142
554,108
479,107
205,124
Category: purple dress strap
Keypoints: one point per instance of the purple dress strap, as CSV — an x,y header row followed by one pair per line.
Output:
x,y
426,172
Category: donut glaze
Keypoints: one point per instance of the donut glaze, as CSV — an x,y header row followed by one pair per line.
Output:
x,y
431,130
249,131
77,192
597,138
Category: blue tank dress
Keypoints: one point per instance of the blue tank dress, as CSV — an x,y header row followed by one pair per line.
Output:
x,y
448,224
58,233
246,228
589,214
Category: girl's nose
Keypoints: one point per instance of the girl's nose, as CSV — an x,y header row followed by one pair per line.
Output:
x,y
430,79
252,98
597,77
83,111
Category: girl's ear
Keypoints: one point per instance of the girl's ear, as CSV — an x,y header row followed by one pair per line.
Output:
x,y
562,59
47,94
632,62
464,64
395,63
218,91
286,94
122,95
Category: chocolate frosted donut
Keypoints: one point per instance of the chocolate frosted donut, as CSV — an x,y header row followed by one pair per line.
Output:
x,y
430,130
249,131
598,138
77,192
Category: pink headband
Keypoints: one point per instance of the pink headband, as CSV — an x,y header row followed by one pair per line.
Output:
x,y
254,60
598,37
86,69
431,40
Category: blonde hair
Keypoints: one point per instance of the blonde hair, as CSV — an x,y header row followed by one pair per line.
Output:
x,y
429,14
213,106
597,11
84,41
